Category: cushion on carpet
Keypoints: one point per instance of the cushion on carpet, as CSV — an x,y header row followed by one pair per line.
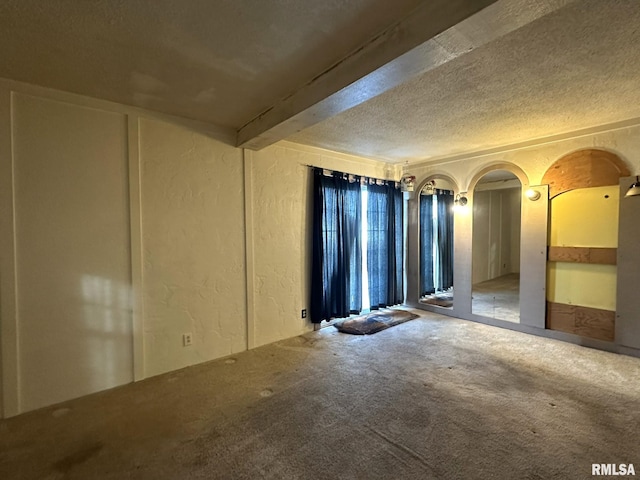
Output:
x,y
374,322
441,300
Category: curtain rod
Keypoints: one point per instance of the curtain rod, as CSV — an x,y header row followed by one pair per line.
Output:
x,y
352,174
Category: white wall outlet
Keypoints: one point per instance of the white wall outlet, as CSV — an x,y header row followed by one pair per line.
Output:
x,y
187,339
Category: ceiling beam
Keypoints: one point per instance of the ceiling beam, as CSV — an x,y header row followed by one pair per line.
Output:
x,y
434,34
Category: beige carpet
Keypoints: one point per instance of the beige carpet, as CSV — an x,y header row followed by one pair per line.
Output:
x,y
431,398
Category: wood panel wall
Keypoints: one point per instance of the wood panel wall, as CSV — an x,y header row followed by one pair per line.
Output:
x,y
583,321
583,169
601,256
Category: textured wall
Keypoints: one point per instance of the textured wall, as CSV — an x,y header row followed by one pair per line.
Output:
x,y
72,250
193,247
281,226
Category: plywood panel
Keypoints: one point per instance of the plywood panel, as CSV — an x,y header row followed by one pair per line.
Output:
x,y
582,169
583,321
602,256
569,254
561,317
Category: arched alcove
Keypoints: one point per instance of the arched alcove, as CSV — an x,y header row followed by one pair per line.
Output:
x,y
509,167
582,242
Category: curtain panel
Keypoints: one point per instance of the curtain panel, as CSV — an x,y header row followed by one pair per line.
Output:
x,y
384,245
444,279
427,286
336,271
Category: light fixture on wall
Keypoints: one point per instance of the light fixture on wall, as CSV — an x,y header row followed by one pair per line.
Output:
x,y
634,189
429,188
532,194
408,181
460,201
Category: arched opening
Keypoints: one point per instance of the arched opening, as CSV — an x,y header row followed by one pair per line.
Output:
x,y
582,244
496,246
435,226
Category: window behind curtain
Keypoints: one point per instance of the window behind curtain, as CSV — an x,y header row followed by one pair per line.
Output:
x,y
336,278
337,267
384,245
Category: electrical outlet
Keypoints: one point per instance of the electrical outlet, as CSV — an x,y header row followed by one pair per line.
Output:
x,y
187,339
304,313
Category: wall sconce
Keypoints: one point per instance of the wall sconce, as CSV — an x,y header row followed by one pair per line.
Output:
x,y
634,189
460,201
429,188
407,183
532,194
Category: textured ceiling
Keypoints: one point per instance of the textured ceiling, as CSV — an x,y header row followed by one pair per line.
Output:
x,y
228,61
222,61
578,67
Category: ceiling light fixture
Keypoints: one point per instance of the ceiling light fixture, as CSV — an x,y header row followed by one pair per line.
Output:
x,y
634,189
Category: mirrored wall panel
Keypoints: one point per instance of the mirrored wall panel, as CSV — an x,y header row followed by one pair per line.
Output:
x,y
496,246
436,243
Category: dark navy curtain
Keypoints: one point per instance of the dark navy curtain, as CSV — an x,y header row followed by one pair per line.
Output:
x,y
426,245
444,277
336,271
436,242
384,245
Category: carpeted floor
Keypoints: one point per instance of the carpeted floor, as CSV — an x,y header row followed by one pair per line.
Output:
x,y
435,397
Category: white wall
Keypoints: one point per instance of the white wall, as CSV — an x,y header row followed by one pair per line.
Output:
x,y
280,192
72,250
193,240
123,229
